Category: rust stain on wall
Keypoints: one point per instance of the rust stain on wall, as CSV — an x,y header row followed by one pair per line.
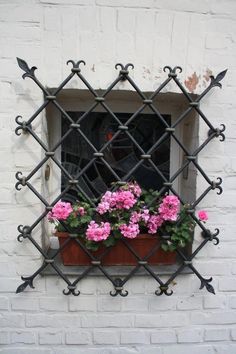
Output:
x,y
207,75
192,82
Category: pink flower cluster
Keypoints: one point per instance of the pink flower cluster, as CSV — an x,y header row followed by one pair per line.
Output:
x,y
134,188
169,208
168,211
96,232
140,216
60,211
154,223
129,231
121,199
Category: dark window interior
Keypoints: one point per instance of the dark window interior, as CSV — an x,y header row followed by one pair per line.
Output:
x,y
122,154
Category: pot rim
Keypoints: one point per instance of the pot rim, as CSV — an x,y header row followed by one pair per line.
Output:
x,y
143,236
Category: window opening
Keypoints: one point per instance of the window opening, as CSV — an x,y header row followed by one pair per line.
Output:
x,y
121,155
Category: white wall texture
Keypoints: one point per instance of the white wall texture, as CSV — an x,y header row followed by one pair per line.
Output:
x,y
200,37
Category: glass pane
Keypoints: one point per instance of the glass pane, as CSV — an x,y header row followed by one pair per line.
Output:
x,y
122,154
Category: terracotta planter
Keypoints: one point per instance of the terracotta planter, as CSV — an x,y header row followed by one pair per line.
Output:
x,y
119,254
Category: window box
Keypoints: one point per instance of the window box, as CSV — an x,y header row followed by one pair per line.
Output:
x,y
119,254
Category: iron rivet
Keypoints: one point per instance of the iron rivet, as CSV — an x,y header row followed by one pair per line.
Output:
x,y
142,262
95,262
75,70
147,101
194,104
123,127
167,184
191,158
49,261
50,98
99,99
170,130
73,181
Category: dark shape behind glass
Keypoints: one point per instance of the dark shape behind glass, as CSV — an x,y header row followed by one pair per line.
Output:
x,y
122,154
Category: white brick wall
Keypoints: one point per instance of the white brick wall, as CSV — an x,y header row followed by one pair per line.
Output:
x,y
200,37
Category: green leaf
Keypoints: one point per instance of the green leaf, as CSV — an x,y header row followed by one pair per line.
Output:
x,y
110,241
85,219
90,245
74,223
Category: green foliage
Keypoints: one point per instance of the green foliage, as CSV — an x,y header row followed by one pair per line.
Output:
x,y
181,232
91,245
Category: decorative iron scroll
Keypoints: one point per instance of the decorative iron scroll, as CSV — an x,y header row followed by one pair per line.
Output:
x,y
26,126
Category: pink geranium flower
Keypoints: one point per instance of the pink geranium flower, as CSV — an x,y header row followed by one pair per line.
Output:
x,y
134,188
96,232
169,208
129,231
202,215
60,211
154,223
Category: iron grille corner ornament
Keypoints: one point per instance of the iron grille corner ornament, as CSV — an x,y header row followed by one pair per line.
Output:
x,y
25,126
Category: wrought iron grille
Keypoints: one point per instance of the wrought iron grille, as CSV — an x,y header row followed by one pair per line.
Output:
x,y
122,128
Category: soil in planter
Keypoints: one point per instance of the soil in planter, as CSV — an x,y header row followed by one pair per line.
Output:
x,y
119,254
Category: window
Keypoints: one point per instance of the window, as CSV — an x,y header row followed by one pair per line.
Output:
x,y
122,155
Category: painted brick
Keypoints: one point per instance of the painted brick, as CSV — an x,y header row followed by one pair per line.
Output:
x,y
213,317
152,350
106,337
11,320
163,304
25,303
119,320
184,349
227,284
214,302
145,22
20,350
109,303
172,319
216,334
4,338
163,336
107,19
4,303
55,321
134,337
190,303
9,284
53,304
132,304
233,333
189,335
23,337
50,338
126,20
129,3
78,337
83,304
